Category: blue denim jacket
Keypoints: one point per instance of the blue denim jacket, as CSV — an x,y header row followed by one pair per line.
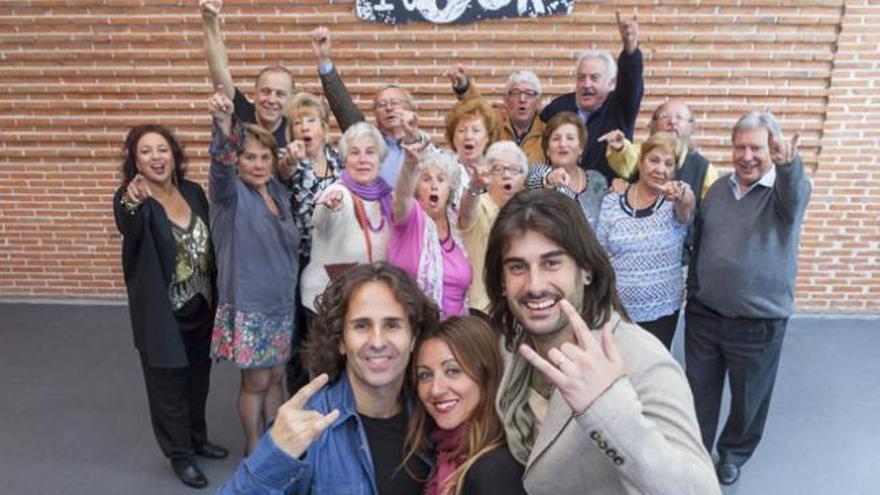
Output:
x,y
338,462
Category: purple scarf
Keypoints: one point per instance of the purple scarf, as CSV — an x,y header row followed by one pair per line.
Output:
x,y
445,443
378,189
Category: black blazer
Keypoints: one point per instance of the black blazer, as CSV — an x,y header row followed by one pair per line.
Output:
x,y
148,255
620,110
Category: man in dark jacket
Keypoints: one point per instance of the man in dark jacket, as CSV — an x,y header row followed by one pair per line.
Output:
x,y
607,96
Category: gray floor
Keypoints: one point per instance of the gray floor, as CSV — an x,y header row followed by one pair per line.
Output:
x,y
73,412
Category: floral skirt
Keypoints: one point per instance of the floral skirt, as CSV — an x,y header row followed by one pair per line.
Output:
x,y
251,339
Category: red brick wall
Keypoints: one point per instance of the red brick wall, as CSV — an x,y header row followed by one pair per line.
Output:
x,y
76,74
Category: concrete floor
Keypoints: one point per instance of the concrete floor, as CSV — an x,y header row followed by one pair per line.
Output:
x,y
74,418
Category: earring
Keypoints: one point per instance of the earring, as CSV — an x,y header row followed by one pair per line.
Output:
x,y
588,279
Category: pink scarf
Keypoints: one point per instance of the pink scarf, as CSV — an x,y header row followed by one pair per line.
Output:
x,y
445,442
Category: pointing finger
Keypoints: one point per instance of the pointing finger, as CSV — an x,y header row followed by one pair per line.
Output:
x,y
548,370
617,16
581,332
302,396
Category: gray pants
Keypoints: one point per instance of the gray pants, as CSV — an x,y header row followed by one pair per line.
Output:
x,y
748,350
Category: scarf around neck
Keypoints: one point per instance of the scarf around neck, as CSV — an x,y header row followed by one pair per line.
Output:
x,y
376,190
445,443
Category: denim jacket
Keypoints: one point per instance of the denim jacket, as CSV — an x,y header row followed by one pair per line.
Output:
x,y
338,462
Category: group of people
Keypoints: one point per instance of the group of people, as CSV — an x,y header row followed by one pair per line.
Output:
x,y
490,318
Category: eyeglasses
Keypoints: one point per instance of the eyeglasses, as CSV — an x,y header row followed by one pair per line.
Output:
x,y
502,169
674,116
393,102
529,94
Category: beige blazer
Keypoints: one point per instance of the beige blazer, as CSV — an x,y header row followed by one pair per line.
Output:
x,y
639,437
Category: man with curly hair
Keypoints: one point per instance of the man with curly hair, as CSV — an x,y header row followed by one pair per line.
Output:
x,y
348,436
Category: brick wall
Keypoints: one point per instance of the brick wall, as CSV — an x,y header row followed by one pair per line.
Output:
x,y
75,74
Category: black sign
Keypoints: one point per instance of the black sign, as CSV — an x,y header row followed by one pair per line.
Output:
x,y
456,11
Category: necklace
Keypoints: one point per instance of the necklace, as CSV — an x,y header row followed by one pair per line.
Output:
x,y
634,207
447,239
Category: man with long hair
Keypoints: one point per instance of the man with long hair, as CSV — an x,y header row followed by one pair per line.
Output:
x,y
587,390
348,436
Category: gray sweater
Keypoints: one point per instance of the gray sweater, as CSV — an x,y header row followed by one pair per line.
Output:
x,y
745,258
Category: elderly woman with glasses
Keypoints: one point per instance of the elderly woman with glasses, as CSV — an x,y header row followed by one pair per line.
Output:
x,y
507,166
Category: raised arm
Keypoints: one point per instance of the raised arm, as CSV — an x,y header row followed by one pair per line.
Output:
x,y
405,188
630,85
478,183
338,97
792,188
215,50
683,199
225,145
621,153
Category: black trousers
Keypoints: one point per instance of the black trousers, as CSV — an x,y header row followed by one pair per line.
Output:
x,y
663,328
748,350
177,396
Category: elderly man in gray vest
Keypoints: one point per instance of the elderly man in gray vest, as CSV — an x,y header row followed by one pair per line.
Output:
x,y
741,286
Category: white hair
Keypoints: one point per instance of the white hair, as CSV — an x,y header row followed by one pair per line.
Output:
x,y
755,120
523,77
357,131
501,148
610,64
446,161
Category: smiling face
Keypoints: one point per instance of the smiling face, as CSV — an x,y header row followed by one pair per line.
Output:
x,y
506,178
564,147
656,168
751,155
432,191
591,85
521,102
376,340
308,128
537,274
448,394
362,160
470,138
255,163
274,89
154,158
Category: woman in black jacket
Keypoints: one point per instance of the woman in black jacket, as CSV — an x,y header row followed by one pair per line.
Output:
x,y
168,263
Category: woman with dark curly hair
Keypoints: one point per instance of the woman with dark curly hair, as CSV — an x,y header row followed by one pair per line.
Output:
x,y
168,265
367,322
456,371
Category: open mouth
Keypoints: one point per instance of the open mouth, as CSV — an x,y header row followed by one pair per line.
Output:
x,y
158,168
468,147
434,200
445,406
307,140
542,302
507,187
378,362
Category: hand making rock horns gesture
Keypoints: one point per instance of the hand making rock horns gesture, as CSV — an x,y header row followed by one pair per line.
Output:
x,y
581,371
781,152
296,428
629,31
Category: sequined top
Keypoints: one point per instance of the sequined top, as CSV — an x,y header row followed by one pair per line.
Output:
x,y
193,263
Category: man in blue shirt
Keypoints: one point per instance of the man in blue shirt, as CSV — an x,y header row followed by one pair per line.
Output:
x,y
348,436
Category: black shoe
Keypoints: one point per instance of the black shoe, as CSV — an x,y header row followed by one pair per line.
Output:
x,y
188,472
211,451
727,473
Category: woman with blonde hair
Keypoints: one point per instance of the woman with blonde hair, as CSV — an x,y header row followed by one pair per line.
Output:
x,y
643,231
456,370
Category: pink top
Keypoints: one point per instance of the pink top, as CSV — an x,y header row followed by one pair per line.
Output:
x,y
405,246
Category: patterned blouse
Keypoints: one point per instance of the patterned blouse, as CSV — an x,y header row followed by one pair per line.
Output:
x,y
645,250
305,189
193,263
590,198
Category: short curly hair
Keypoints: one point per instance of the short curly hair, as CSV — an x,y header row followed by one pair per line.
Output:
x,y
321,352
468,108
559,120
